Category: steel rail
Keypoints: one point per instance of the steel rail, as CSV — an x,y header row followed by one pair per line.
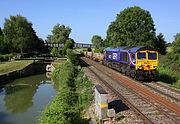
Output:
x,y
125,101
168,115
161,92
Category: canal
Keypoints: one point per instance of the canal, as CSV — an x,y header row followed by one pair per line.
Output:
x,y
22,100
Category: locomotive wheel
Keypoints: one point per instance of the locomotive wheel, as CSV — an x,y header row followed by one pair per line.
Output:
x,y
139,75
128,71
132,73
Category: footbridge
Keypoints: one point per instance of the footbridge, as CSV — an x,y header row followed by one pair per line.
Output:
x,y
76,45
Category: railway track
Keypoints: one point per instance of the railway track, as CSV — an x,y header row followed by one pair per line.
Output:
x,y
139,102
166,91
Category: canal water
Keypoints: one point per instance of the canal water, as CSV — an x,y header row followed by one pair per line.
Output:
x,y
22,100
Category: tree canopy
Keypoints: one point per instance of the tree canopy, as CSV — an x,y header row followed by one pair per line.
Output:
x,y
19,36
60,34
97,41
1,41
176,43
133,26
1,33
161,44
68,45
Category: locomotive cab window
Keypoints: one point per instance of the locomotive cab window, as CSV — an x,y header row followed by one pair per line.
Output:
x,y
141,55
152,55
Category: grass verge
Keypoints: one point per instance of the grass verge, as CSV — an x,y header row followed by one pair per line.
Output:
x,y
6,67
73,95
56,63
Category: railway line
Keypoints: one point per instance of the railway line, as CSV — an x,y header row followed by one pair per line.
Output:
x,y
151,107
166,91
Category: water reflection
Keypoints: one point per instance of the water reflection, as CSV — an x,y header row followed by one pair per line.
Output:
x,y
49,74
19,94
53,81
22,100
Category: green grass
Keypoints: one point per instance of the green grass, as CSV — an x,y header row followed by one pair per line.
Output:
x,y
58,62
176,85
6,67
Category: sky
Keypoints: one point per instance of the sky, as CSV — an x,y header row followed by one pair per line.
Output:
x,y
90,17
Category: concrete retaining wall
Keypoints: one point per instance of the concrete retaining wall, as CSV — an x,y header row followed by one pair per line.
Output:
x,y
32,69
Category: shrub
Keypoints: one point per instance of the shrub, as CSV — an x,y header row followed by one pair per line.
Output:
x,y
1,58
169,69
27,55
89,49
99,50
57,52
85,91
73,95
68,45
63,107
5,57
72,57
170,61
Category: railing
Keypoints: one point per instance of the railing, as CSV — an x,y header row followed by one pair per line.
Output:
x,y
76,45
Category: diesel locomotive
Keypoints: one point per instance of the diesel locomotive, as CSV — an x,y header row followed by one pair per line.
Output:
x,y
137,62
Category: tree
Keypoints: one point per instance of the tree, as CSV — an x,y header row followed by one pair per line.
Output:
x,y
1,41
133,26
19,36
55,52
60,34
68,45
72,57
39,45
97,41
176,43
161,44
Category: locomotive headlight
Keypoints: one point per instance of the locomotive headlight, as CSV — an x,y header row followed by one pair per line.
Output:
x,y
139,67
155,67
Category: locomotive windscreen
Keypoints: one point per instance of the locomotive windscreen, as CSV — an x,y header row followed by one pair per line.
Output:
x,y
141,55
152,55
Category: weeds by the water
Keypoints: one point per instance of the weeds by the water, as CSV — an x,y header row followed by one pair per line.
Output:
x,y
73,95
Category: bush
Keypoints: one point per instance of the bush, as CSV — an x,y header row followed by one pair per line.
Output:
x,y
72,57
99,50
170,61
72,96
85,91
1,58
57,52
89,49
68,45
27,55
169,69
62,109
5,57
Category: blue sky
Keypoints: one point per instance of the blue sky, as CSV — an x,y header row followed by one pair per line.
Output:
x,y
89,17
